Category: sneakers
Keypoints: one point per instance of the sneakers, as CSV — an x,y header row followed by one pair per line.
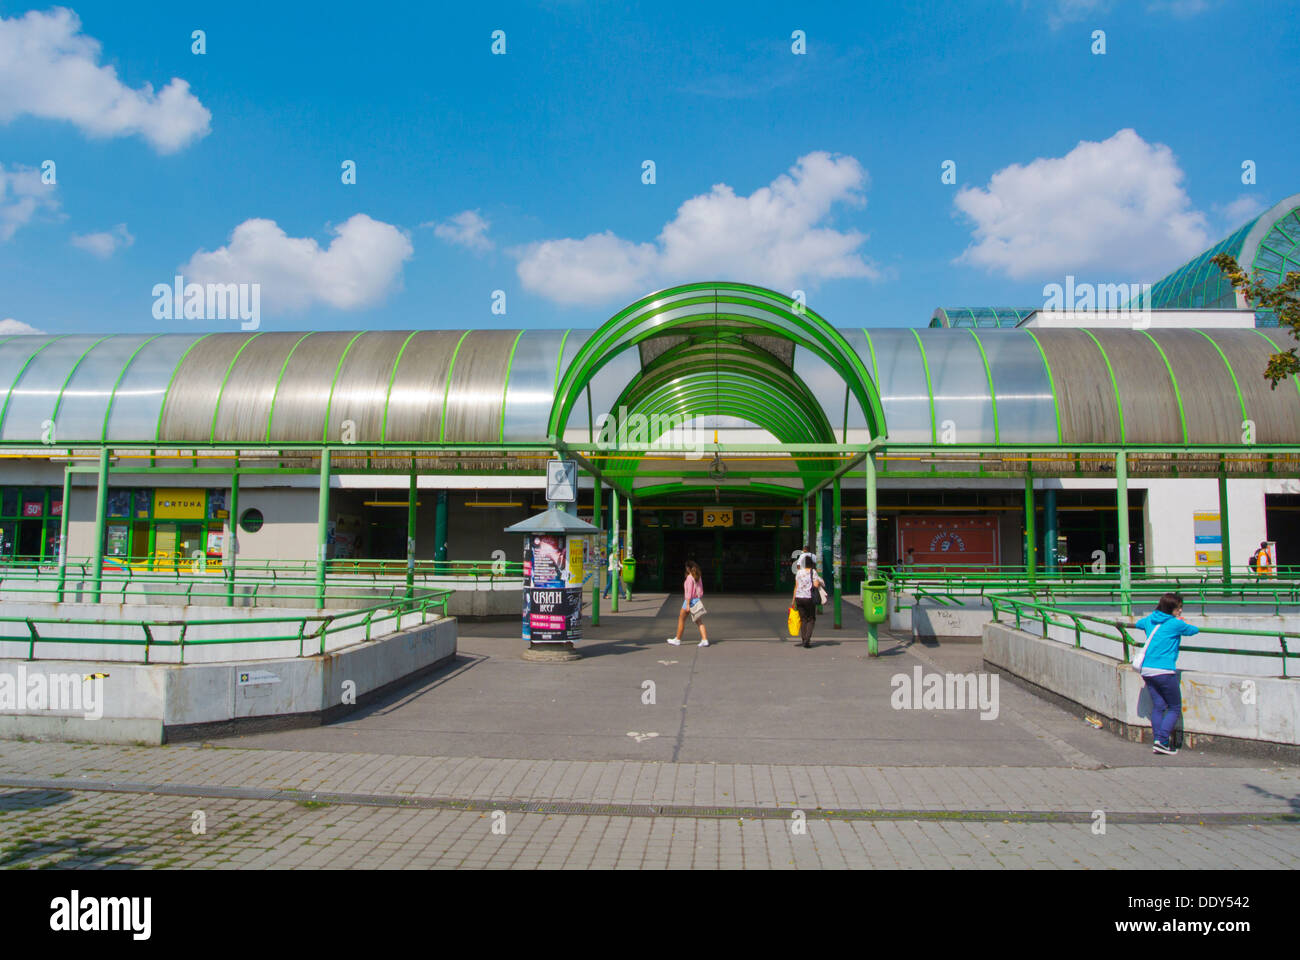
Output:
x,y
675,641
704,643
1158,747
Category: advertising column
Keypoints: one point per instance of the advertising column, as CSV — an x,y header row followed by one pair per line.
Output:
x,y
552,588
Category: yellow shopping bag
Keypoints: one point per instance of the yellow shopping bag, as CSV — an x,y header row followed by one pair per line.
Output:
x,y
793,622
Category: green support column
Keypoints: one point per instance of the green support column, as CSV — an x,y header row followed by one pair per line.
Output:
x,y
805,540
1121,508
873,553
412,502
816,545
230,551
1031,535
825,549
63,530
596,519
440,531
101,508
628,537
614,588
837,560
322,525
1049,530
1223,525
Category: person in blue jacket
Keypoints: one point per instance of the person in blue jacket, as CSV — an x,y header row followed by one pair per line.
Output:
x,y
1158,662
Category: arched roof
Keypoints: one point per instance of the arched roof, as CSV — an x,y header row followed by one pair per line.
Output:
x,y
767,328
1267,246
990,386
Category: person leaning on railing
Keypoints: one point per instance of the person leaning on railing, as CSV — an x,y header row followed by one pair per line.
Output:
x,y
1158,664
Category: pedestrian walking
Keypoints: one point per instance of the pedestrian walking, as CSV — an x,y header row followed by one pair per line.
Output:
x,y
692,603
1260,563
1158,664
808,587
616,576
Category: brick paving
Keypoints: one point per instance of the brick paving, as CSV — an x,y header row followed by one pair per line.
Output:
x,y
753,735
102,830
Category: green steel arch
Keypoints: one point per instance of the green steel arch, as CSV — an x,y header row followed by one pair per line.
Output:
x,y
775,385
719,312
732,378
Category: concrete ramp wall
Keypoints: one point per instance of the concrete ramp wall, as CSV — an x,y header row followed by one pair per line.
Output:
x,y
1218,708
154,703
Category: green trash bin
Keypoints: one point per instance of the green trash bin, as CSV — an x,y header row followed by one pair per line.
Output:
x,y
629,570
875,600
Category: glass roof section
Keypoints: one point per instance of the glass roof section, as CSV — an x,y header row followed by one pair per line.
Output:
x,y
980,316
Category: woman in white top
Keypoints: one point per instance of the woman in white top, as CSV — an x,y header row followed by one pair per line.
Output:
x,y
807,583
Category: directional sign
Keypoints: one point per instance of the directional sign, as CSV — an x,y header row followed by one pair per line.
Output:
x,y
718,517
562,480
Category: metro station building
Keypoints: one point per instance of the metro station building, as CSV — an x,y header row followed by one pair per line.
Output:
x,y
729,423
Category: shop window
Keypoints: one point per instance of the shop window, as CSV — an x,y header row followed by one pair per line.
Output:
x,y
217,505
119,503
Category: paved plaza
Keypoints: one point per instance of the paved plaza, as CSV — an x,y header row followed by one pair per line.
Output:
x,y
753,752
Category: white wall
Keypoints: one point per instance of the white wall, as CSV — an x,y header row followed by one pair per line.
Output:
x,y
1171,503
289,523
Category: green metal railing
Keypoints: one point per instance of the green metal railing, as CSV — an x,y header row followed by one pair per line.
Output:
x,y
1082,624
251,580
1076,571
309,631
1203,595
950,586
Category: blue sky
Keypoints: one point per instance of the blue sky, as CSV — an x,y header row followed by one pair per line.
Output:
x,y
523,172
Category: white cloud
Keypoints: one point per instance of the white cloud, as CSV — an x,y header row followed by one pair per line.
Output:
x,y
49,69
21,194
774,237
466,229
1236,213
362,264
9,326
1072,11
1114,205
104,244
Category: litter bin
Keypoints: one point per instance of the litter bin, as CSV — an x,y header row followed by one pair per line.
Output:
x,y
629,570
875,600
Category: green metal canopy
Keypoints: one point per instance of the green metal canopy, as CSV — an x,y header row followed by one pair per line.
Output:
x,y
709,313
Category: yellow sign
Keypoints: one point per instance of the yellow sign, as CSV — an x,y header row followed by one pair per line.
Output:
x,y
577,547
178,503
717,517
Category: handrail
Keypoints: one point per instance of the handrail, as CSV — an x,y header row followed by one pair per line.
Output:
x,y
391,609
1043,613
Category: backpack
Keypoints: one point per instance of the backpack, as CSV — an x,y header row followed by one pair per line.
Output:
x,y
1253,562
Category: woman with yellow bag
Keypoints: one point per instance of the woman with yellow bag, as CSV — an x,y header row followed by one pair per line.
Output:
x,y
808,589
